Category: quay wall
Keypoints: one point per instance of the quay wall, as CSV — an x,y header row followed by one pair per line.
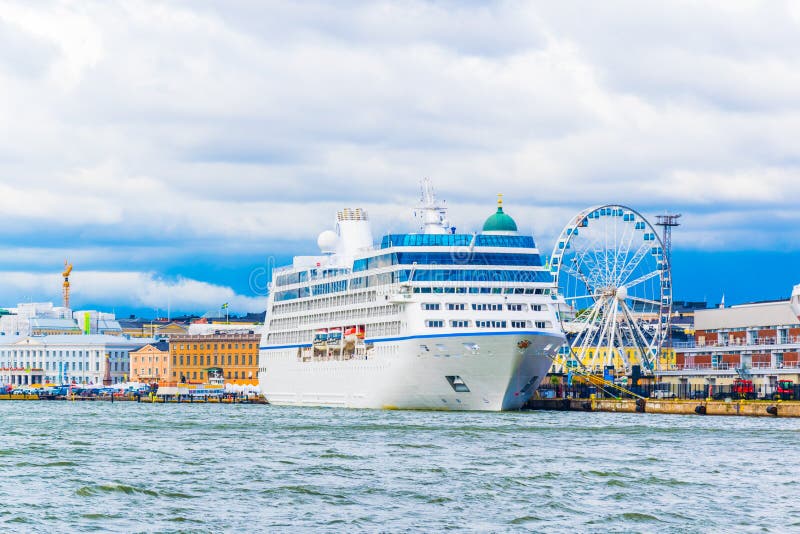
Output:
x,y
676,407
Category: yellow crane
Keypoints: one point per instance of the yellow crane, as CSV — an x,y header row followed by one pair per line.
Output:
x,y
65,274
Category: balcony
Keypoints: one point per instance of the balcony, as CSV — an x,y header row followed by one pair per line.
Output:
x,y
757,342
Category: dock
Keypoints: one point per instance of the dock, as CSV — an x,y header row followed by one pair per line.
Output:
x,y
752,408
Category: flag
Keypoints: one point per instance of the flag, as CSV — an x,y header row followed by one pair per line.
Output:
x,y
225,306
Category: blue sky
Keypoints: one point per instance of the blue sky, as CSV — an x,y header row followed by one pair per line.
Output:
x,y
170,149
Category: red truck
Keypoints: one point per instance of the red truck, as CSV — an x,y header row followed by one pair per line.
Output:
x,y
784,390
743,389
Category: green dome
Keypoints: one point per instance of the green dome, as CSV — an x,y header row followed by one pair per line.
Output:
x,y
500,222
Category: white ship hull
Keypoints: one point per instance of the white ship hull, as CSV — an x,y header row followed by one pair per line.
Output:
x,y
500,369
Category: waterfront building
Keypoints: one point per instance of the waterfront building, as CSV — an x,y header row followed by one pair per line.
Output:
x,y
135,327
37,318
232,356
151,363
65,358
96,322
758,341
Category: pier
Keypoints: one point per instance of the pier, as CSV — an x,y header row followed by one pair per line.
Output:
x,y
752,408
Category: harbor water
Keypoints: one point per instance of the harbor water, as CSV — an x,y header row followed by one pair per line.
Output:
x,y
132,467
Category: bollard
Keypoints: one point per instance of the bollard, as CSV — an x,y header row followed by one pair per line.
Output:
x,y
640,405
772,410
700,409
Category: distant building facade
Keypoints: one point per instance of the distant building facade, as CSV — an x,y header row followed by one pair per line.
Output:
x,y
151,363
232,356
65,359
759,341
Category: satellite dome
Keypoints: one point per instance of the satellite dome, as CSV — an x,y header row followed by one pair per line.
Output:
x,y
327,242
500,222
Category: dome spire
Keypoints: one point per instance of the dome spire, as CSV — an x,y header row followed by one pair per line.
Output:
x,y
500,222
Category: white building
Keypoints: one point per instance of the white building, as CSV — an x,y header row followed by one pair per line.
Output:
x,y
65,358
18,320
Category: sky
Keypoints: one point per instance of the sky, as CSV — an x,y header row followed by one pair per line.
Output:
x,y
174,150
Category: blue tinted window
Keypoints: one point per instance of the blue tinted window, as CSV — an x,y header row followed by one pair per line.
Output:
x,y
470,275
456,240
467,258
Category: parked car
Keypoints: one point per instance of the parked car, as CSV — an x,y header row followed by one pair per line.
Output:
x,y
664,394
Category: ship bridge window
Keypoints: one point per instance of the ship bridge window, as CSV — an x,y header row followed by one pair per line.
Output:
x,y
457,383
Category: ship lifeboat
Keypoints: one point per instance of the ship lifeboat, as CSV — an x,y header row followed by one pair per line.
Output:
x,y
334,336
321,339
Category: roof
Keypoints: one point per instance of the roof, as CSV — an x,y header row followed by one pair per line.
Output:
x,y
53,324
500,222
161,345
746,316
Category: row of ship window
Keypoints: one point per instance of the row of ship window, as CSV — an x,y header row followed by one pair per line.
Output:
x,y
457,240
485,290
483,306
459,323
457,257
420,275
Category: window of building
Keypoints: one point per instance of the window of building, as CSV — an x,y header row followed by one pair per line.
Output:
x,y
249,359
229,360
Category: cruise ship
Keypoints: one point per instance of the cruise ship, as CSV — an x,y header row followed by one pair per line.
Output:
x,y
434,319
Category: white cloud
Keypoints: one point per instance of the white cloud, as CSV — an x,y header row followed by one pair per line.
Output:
x,y
128,289
193,126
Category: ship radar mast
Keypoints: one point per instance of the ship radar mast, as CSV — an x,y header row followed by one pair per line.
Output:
x,y
432,214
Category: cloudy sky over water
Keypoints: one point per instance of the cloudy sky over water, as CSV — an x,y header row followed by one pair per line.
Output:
x,y
169,148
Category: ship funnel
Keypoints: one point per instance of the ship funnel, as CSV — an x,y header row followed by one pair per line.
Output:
x,y
355,232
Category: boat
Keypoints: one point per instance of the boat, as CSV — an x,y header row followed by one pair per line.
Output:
x,y
431,319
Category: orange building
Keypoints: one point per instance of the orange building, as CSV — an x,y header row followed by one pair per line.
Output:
x,y
232,356
151,363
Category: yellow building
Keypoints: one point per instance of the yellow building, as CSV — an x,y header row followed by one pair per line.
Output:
x,y
596,358
198,358
151,364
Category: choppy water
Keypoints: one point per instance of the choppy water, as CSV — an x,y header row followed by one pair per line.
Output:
x,y
178,468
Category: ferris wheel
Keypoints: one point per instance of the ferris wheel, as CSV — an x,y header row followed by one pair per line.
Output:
x,y
613,283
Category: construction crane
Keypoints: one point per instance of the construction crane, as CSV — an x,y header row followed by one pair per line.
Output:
x,y
65,274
